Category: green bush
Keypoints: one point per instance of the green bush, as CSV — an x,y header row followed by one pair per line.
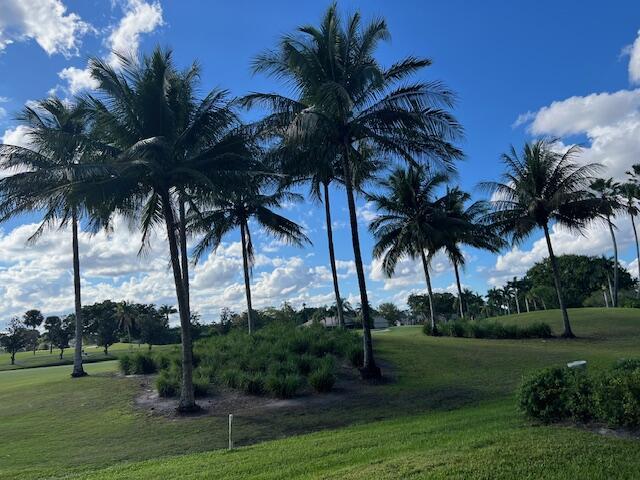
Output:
x,y
546,394
627,364
617,398
253,384
168,384
322,380
283,386
232,378
491,330
356,356
142,364
125,364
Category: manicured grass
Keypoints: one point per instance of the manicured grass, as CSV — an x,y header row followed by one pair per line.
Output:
x,y
43,358
54,426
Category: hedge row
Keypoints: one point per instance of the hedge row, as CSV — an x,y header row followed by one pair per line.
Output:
x,y
491,330
559,394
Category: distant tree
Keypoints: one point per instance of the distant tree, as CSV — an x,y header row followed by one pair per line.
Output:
x,y
166,311
540,186
390,312
49,327
580,276
474,303
102,323
15,338
62,332
126,314
608,193
630,193
33,319
153,328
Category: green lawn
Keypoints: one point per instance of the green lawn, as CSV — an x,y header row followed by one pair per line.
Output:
x,y
449,412
43,358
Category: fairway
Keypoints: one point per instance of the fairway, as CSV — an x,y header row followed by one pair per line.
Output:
x,y
448,412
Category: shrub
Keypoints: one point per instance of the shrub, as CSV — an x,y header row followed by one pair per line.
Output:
x,y
537,330
201,383
283,386
232,378
142,364
305,364
168,384
617,398
492,330
125,364
627,364
546,394
322,380
253,384
356,356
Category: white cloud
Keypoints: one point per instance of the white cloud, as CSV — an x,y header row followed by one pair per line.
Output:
x,y
16,136
45,21
596,241
634,60
140,17
78,79
367,213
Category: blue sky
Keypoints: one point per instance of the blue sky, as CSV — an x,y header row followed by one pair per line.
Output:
x,y
567,69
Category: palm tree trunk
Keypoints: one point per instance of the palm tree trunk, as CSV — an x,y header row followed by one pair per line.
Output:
x,y
427,277
369,369
455,269
517,301
614,298
187,399
606,300
635,234
556,279
526,302
247,281
78,371
184,258
332,256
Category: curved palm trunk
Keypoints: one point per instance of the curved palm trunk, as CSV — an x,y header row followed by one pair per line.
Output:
x,y
517,301
526,303
247,281
369,368
614,297
78,371
635,234
332,256
427,277
184,258
455,269
187,399
556,279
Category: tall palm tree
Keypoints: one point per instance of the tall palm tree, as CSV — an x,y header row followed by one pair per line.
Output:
x,y
608,193
469,231
344,97
165,142
411,221
249,200
630,192
57,175
539,186
494,298
126,318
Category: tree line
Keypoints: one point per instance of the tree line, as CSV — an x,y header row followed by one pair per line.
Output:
x,y
146,145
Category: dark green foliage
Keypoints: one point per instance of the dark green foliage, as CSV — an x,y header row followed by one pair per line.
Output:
x,y
125,364
322,380
276,359
611,397
580,276
143,364
168,384
356,356
617,398
492,330
284,386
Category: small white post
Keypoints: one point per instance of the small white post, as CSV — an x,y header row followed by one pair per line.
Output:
x,y
230,431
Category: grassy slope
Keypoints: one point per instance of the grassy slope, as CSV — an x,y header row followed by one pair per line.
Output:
x,y
52,426
43,358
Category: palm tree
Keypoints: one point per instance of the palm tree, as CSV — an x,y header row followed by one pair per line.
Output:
x,y
166,143
541,185
494,298
344,98
630,192
126,318
469,231
512,285
166,310
234,209
608,193
57,175
411,221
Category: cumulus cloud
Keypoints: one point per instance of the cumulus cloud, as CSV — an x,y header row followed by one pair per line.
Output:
x,y
139,17
633,51
45,21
